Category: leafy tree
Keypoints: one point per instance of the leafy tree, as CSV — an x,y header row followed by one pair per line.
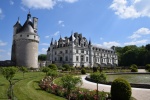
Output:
x,y
24,70
53,74
42,57
53,67
9,73
98,77
66,67
46,70
69,82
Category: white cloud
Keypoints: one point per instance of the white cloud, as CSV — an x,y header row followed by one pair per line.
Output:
x,y
60,22
68,1
43,51
131,8
39,4
3,43
1,14
139,33
11,2
108,44
56,33
8,53
47,36
1,50
101,38
45,44
136,42
24,9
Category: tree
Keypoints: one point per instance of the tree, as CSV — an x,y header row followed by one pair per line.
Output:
x,y
66,67
24,70
53,74
98,77
46,70
42,57
53,67
69,82
9,73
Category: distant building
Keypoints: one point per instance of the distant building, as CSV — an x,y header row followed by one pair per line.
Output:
x,y
77,51
25,43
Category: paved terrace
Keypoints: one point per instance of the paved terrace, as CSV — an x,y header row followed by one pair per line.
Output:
x,y
138,93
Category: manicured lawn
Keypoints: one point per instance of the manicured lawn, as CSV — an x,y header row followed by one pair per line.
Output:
x,y
26,88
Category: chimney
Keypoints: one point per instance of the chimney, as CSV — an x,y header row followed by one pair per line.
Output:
x,y
35,23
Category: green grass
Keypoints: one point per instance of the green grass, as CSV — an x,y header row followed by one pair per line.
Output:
x,y
26,88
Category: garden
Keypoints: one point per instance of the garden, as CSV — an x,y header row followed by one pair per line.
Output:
x,y
51,83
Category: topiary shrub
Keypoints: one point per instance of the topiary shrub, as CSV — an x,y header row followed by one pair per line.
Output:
x,y
134,70
83,71
147,66
134,66
120,90
53,67
66,67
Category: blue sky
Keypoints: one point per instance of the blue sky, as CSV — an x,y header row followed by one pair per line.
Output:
x,y
105,22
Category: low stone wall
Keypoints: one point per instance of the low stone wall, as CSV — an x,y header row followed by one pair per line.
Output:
x,y
146,86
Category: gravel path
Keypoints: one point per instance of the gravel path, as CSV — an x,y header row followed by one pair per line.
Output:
x,y
138,93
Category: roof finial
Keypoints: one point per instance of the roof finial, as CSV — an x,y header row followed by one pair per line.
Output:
x,y
18,20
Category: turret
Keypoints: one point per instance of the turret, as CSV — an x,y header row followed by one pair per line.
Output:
x,y
17,27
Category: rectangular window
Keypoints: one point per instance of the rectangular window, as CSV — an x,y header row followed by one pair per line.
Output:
x,y
66,51
87,59
82,51
82,58
55,59
27,35
76,51
66,58
86,52
55,53
77,58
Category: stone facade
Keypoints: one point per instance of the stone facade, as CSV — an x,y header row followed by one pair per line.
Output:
x,y
77,51
25,43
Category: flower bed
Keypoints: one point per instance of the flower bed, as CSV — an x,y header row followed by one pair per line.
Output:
x,y
77,94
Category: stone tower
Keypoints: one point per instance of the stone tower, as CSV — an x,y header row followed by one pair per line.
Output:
x,y
25,43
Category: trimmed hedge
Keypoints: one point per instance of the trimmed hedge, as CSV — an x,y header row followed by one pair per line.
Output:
x,y
147,67
120,90
53,67
134,70
83,71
